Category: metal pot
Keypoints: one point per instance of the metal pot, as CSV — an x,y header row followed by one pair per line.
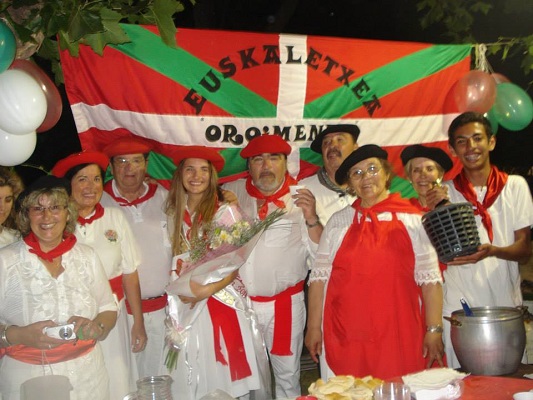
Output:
x,y
491,342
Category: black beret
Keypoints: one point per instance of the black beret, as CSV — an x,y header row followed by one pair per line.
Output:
x,y
433,153
362,153
352,129
44,182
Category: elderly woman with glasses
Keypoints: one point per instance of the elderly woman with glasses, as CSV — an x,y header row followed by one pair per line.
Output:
x,y
374,264
48,280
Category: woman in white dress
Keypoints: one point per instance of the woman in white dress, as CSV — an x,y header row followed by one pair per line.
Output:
x,y
46,280
10,188
219,351
108,232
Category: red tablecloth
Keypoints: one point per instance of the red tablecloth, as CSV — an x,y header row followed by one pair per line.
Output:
x,y
494,387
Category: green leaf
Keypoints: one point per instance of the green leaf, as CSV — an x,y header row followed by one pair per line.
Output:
x,y
65,43
163,11
49,49
84,22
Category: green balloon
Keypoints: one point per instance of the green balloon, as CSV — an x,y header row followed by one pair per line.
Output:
x,y
513,107
8,46
491,116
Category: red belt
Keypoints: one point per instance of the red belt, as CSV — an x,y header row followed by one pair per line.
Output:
x,y
116,286
151,304
64,352
225,321
281,343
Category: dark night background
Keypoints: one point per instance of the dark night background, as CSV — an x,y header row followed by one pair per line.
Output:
x,y
365,19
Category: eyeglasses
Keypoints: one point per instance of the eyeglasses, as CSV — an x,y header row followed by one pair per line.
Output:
x,y
39,210
134,162
358,174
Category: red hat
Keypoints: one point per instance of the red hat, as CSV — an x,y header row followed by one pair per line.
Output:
x,y
266,144
203,152
84,157
126,145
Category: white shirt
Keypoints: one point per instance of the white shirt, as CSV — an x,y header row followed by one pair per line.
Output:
x,y
7,236
148,222
279,259
426,265
112,238
491,281
328,202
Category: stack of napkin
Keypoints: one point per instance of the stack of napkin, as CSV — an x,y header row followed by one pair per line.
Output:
x,y
436,384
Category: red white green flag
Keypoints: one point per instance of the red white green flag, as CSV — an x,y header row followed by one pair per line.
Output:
x,y
221,89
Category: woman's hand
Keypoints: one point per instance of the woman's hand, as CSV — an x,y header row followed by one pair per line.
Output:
x,y
202,292
33,336
87,329
313,342
433,349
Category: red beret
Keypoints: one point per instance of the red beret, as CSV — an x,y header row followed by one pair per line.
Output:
x,y
126,145
266,144
203,152
84,157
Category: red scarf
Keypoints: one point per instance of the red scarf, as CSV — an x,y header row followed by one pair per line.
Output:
x,y
152,187
98,213
275,198
495,183
393,203
68,242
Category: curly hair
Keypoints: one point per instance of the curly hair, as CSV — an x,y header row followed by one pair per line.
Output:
x,y
56,195
8,177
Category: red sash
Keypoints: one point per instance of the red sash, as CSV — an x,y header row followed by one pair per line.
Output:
x,y
151,304
281,343
275,198
415,202
116,286
98,213
65,352
152,187
495,183
372,319
68,242
225,322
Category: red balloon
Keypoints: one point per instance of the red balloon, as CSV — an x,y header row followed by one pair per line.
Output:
x,y
476,91
499,78
53,98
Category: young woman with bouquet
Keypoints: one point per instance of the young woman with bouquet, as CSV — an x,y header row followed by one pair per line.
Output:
x,y
212,343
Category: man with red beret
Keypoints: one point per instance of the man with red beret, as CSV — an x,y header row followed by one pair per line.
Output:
x,y
143,205
275,271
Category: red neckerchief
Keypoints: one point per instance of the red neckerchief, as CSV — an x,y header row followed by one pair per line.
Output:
x,y
152,187
495,183
98,213
69,240
393,203
415,202
283,190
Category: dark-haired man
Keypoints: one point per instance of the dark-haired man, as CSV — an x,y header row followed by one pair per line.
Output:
x,y
504,214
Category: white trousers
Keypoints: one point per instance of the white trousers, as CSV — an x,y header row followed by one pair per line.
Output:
x,y
286,368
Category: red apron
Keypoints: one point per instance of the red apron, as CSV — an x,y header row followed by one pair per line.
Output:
x,y
372,318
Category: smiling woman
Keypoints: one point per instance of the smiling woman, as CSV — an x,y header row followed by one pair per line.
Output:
x,y
37,277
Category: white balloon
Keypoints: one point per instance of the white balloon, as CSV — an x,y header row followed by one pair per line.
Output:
x,y
22,102
15,149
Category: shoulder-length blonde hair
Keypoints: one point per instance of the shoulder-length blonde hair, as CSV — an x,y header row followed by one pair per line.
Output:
x,y
57,195
177,200
8,177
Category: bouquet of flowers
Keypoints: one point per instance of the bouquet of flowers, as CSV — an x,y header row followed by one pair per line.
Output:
x,y
224,246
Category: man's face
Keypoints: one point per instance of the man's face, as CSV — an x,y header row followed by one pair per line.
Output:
x,y
129,171
472,146
336,147
267,171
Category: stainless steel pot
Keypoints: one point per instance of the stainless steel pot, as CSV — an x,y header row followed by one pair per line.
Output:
x,y
491,342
